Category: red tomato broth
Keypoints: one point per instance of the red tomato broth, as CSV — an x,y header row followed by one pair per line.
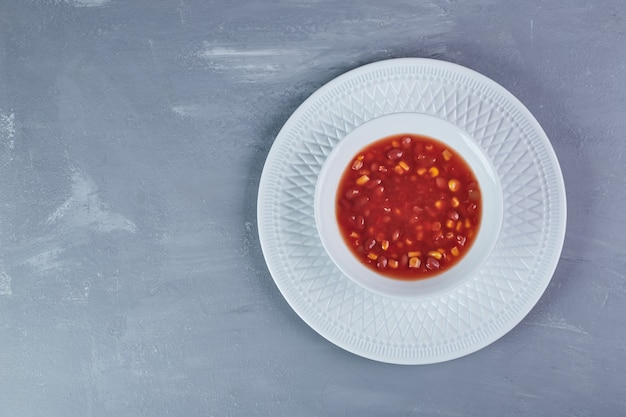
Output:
x,y
408,207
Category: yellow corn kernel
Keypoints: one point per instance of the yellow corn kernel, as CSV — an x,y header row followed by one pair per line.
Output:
x,y
395,143
414,254
421,171
414,262
450,224
454,185
404,165
372,256
384,244
354,235
468,223
459,226
434,171
435,254
362,179
447,155
439,204
398,169
360,157
454,251
454,202
392,263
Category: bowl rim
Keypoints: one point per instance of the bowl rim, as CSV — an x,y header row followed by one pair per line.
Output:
x,y
408,123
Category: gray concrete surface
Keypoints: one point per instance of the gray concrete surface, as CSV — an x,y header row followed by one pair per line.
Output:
x,y
132,138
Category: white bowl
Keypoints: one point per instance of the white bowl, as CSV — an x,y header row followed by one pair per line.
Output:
x,y
407,123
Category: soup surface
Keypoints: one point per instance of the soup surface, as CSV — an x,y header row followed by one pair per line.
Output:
x,y
408,206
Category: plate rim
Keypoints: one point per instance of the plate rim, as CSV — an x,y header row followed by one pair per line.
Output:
x,y
485,340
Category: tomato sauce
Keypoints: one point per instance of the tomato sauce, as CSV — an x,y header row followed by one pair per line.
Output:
x,y
408,206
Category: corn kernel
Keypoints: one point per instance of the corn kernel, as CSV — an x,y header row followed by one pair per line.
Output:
x,y
384,244
360,157
447,155
414,262
450,224
468,223
454,185
435,254
372,256
398,169
454,202
454,251
362,179
439,204
354,235
421,171
459,226
393,263
404,165
434,171
414,254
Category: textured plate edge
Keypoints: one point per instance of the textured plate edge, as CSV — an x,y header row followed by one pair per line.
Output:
x,y
509,323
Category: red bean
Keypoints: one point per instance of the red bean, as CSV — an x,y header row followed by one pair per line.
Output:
x,y
394,154
352,193
432,264
403,261
379,191
361,201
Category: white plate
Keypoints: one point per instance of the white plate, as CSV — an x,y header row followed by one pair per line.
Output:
x,y
441,325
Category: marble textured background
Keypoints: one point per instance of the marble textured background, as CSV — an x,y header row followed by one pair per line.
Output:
x,y
132,138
